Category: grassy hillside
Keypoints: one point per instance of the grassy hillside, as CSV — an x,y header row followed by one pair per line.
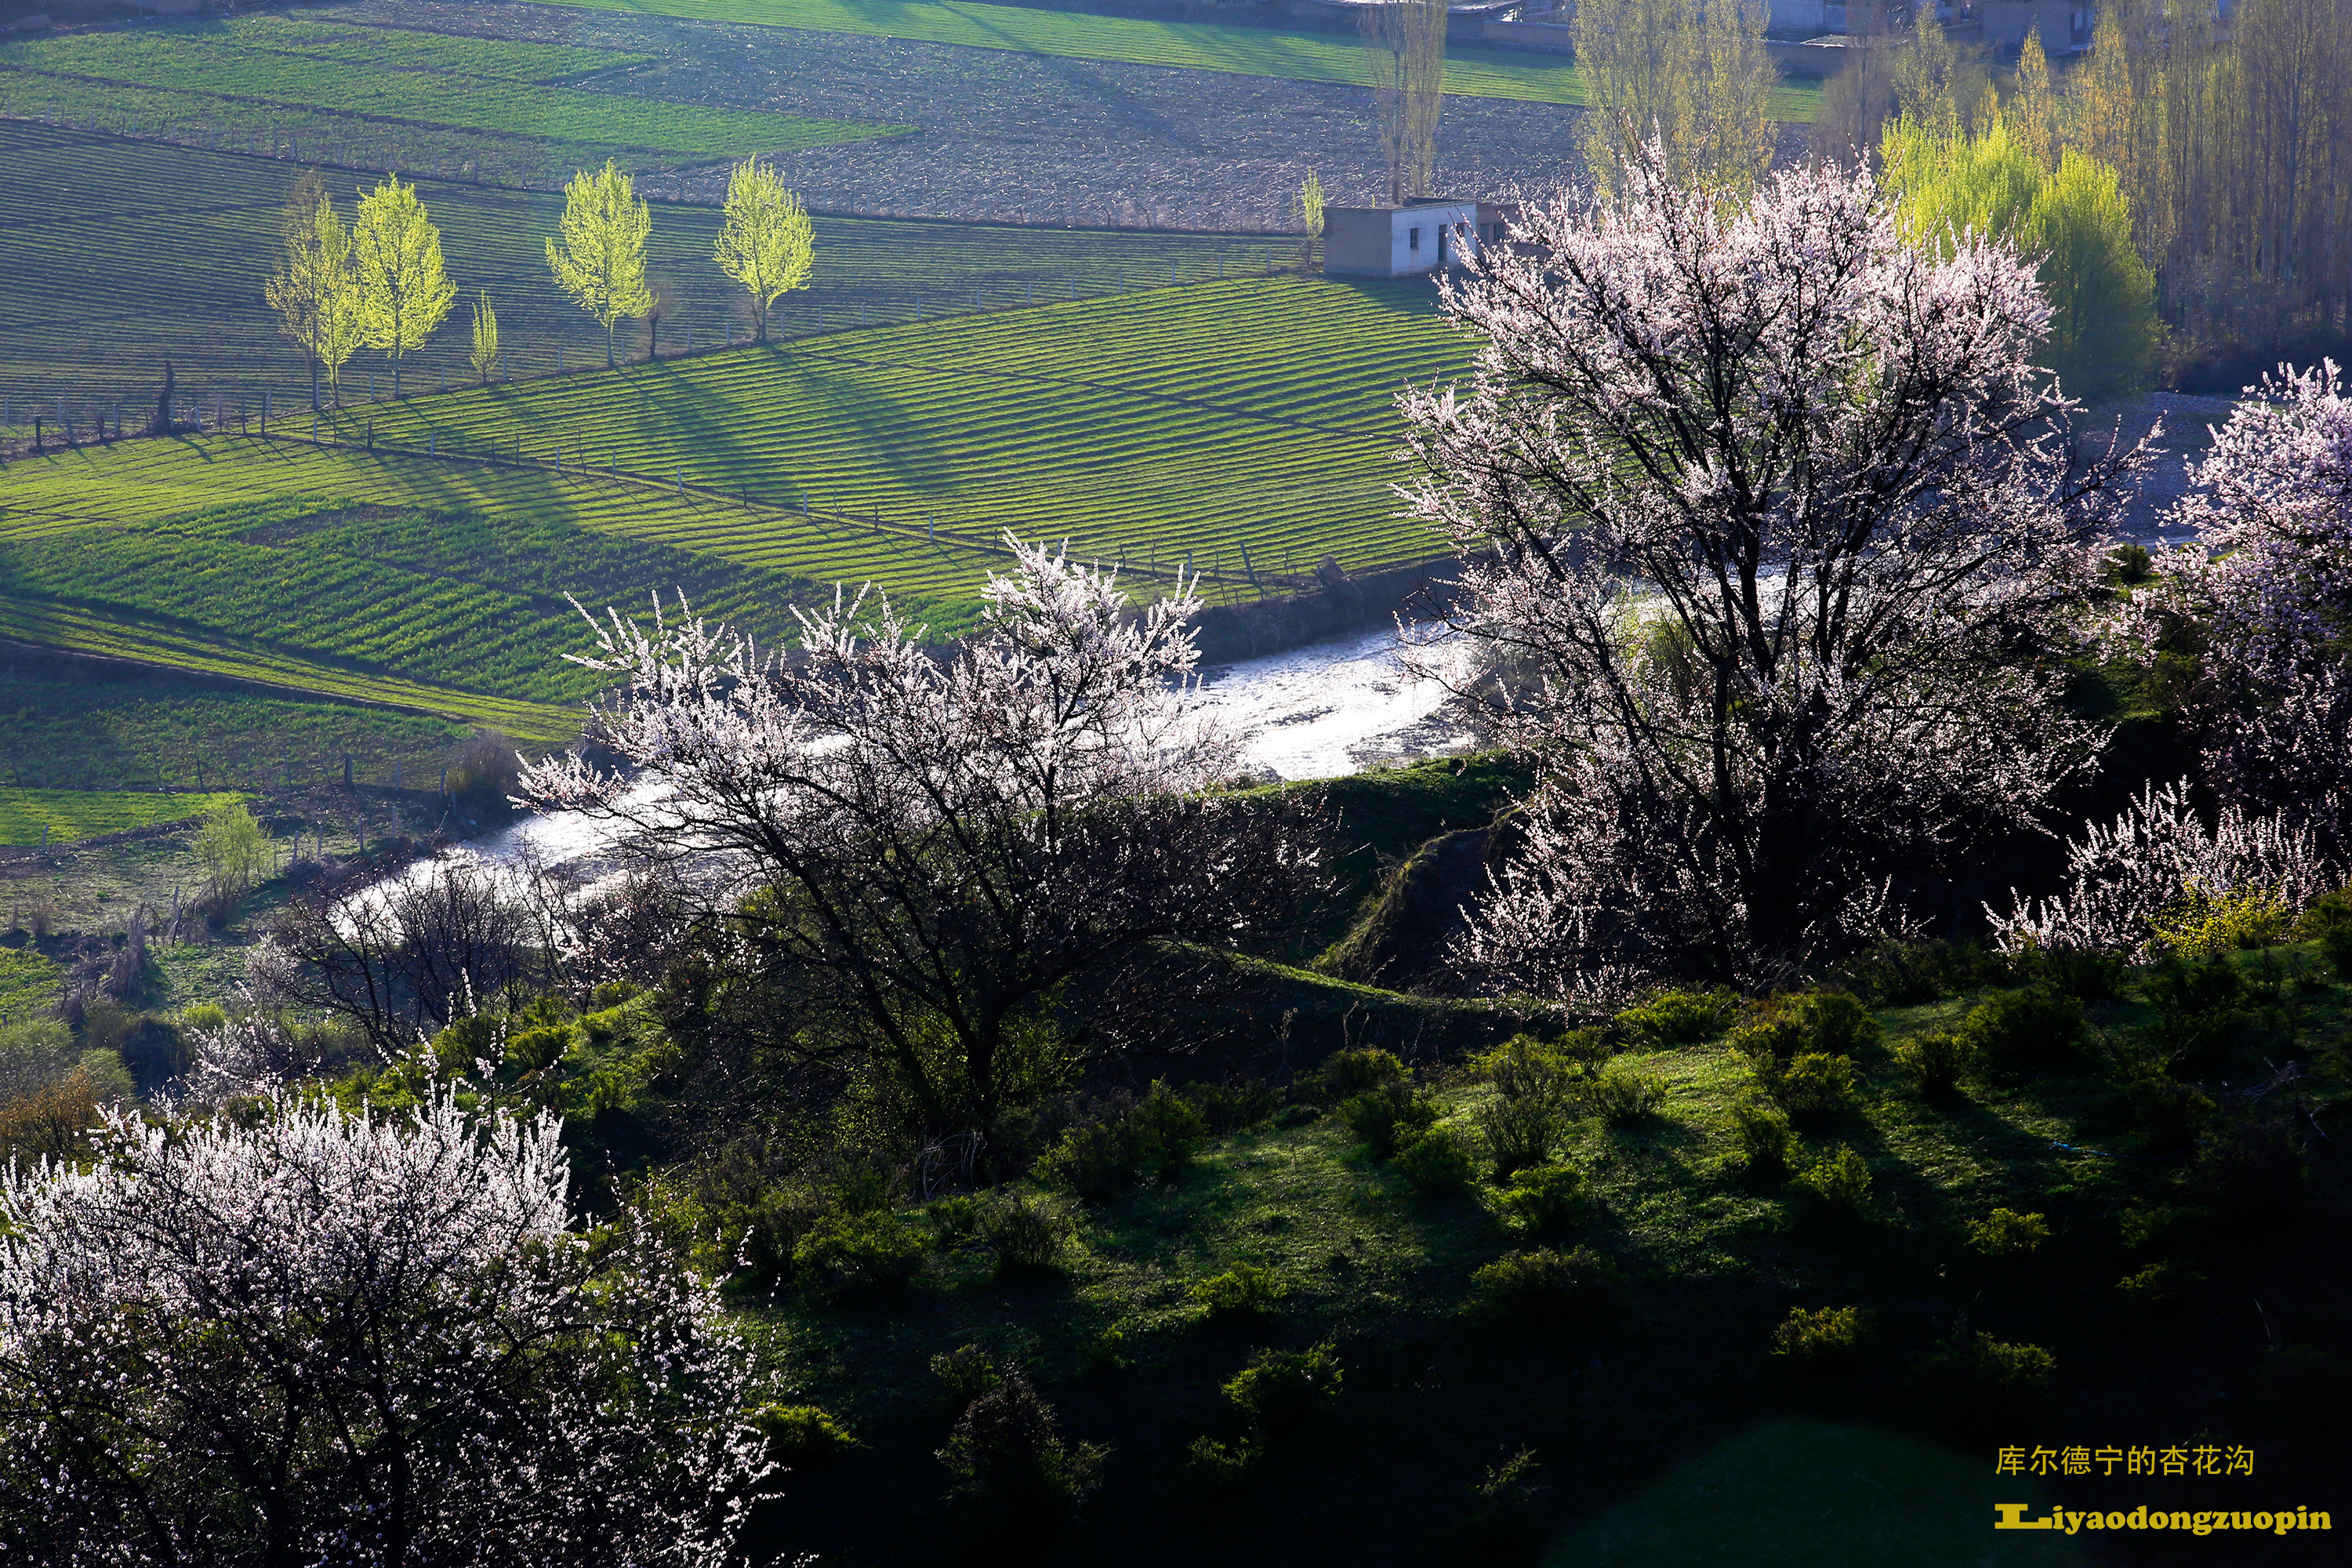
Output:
x,y
121,255
251,77
1470,71
1168,424
63,815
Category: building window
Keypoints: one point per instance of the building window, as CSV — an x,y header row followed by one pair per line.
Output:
x,y
1412,239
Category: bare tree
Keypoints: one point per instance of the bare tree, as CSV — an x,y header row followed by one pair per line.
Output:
x,y
405,956
926,847
1776,506
1404,55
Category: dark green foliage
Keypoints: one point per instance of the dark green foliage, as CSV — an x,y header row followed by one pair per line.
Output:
x,y
1773,1040
801,1435
965,1374
1347,1074
1764,1136
2008,1235
1545,1200
1244,1290
2253,1171
1992,1380
1545,1285
1834,1022
1624,1094
1438,1162
2018,1033
1680,1017
2329,921
1503,1523
1237,1107
1533,1093
1281,1391
1028,1234
1839,1183
2081,972
849,1254
2161,1284
1824,1342
1814,1088
2304,1391
1904,974
2130,562
1007,1462
1095,1161
1933,1060
1384,1118
954,1219
1223,1466
1169,1129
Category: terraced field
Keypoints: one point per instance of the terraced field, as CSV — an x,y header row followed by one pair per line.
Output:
x,y
171,246
1470,71
252,76
35,816
87,729
1196,422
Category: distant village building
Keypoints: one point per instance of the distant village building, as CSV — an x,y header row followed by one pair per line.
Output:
x,y
1422,236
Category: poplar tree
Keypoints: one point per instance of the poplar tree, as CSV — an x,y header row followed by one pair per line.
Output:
x,y
315,296
485,357
1693,75
1404,52
404,292
600,261
1310,213
2034,112
766,244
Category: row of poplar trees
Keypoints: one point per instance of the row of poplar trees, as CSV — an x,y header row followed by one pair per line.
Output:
x,y
379,282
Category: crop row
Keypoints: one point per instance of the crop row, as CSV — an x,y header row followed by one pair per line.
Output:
x,y
180,62
160,731
407,48
1156,429
25,814
119,256
1471,72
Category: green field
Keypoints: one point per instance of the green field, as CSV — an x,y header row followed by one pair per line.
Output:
x,y
34,816
93,730
28,984
170,245
1472,72
1142,428
251,83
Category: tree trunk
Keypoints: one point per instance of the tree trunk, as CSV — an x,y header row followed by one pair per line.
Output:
x,y
608,346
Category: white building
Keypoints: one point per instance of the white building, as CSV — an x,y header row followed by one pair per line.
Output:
x,y
1423,235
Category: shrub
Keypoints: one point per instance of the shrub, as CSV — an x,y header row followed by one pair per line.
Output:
x,y
2201,924
801,1434
1005,1459
1027,1234
1835,1022
1933,1060
1439,1163
1223,1466
1773,1041
1347,1074
2161,1284
1534,1085
954,1220
1680,1017
1839,1182
1503,1523
51,1121
1544,1200
871,1253
2304,1391
2082,973
2328,922
1825,1340
1244,1290
1093,1161
1623,1095
1543,1284
2020,1032
2007,1234
1815,1086
966,1372
1763,1135
1905,973
1281,1391
1382,1119
1234,1107
2253,1171
1168,1130
1992,1378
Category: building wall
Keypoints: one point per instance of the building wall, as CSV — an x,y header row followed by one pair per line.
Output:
x,y
1381,242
